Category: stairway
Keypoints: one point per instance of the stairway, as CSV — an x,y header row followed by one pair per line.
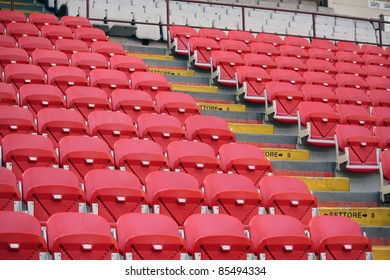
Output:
x,y
25,6
339,193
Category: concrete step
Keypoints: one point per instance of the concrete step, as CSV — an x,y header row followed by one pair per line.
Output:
x,y
348,198
24,7
251,128
367,216
381,252
303,168
222,106
268,141
235,117
326,184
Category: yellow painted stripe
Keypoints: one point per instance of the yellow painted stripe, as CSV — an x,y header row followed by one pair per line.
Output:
x,y
151,56
23,11
194,88
364,216
381,252
222,107
286,154
252,128
327,184
18,3
172,71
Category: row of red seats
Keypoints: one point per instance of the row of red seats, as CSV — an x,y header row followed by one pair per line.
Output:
x,y
113,193
181,35
206,236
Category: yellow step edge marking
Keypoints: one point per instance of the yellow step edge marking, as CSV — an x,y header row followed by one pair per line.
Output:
x,y
18,3
172,71
369,216
194,88
381,252
222,107
286,154
327,184
151,56
252,128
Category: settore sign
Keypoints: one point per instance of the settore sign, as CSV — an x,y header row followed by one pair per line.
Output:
x,y
379,5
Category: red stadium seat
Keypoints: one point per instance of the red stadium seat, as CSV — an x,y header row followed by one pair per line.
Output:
x,y
30,44
378,83
8,95
132,102
384,174
127,64
355,115
236,46
47,191
322,54
280,237
282,99
65,77
179,36
151,83
37,97
71,46
349,56
212,33
200,51
259,60
12,56
74,22
234,195
140,157
89,61
379,98
56,123
23,151
157,239
381,115
264,48
371,59
194,158
374,50
288,196
8,41
2,28
357,148
48,58
324,44
10,197
162,129
111,126
240,35
113,193
351,81
19,29
318,65
80,236
339,238
294,51
21,237
22,74
287,76
245,159
251,82
14,119
351,68
297,41
56,32
178,104
108,80
90,35
350,47
353,96
317,121
211,130
224,65
377,71
86,100
216,237
42,19
81,154
270,38
291,63
175,194
108,49
319,78
382,133
318,93
12,16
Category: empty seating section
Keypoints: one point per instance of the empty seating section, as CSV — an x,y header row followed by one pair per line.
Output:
x,y
87,129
